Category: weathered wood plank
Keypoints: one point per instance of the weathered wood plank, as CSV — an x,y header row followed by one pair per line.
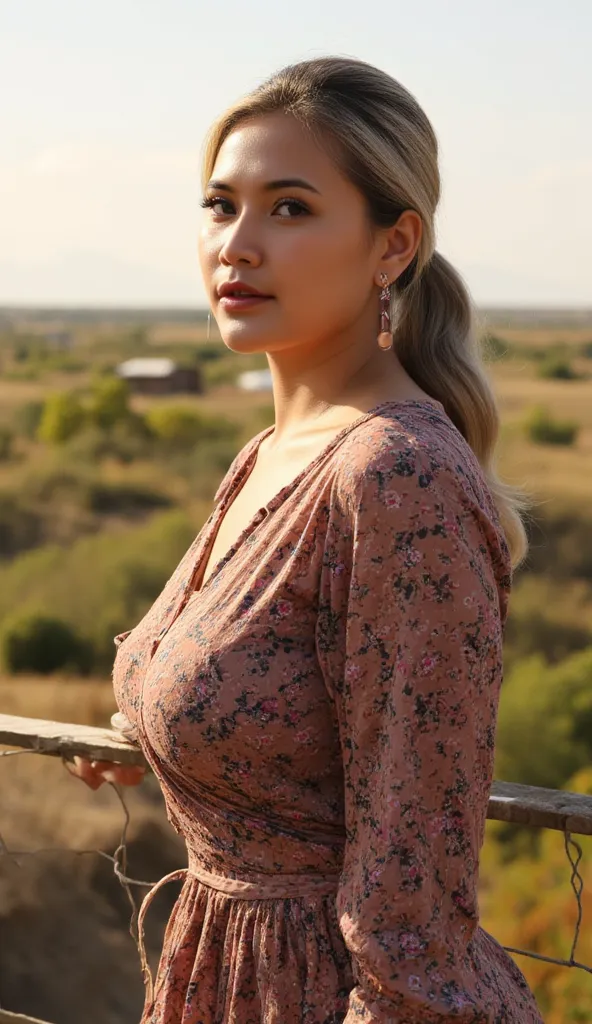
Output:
x,y
541,808
509,801
65,738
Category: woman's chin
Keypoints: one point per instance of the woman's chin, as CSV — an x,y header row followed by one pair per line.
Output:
x,y
244,336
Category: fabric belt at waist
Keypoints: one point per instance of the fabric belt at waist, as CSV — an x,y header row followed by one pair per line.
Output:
x,y
271,887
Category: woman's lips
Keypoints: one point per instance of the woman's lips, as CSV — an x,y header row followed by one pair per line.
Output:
x,y
240,303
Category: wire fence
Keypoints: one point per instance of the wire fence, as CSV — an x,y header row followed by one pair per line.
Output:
x,y
569,813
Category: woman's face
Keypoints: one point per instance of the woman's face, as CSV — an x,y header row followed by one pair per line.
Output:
x,y
282,218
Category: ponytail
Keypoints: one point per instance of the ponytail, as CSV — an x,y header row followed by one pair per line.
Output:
x,y
435,340
388,149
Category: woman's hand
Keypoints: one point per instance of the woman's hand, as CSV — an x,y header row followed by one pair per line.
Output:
x,y
120,723
95,773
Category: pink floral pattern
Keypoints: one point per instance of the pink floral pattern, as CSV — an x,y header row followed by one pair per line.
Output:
x,y
321,717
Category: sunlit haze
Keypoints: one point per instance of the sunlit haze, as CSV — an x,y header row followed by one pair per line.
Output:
x,y
109,102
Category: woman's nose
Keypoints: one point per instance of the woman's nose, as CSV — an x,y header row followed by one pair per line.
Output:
x,y
240,247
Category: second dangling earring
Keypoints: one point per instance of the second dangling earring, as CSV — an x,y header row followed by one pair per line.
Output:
x,y
385,337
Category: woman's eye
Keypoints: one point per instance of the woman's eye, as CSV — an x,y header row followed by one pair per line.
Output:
x,y
216,204
295,207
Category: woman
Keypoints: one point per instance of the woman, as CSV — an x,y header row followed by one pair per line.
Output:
x,y
316,688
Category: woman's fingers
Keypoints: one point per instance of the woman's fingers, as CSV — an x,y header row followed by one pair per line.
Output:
x,y
122,724
86,770
125,774
95,773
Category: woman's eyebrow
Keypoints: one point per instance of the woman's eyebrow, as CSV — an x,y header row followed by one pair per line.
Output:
x,y
270,186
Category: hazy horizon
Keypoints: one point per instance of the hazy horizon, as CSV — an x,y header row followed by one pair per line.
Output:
x,y
110,102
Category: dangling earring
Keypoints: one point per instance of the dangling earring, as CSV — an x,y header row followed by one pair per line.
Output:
x,y
385,338
209,325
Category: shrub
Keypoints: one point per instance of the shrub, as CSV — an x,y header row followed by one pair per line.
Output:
x,y
545,721
210,351
20,528
541,428
548,616
100,584
109,403
6,440
63,417
127,440
560,543
586,350
494,347
204,466
27,418
125,499
556,367
177,426
39,643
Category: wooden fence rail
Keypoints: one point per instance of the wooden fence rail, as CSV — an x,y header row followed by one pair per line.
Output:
x,y
509,801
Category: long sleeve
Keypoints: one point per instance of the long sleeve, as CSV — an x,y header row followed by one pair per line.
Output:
x,y
415,581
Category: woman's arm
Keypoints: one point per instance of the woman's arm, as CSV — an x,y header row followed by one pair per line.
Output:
x,y
412,653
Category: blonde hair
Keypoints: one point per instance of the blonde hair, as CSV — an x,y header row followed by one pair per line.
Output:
x,y
387,148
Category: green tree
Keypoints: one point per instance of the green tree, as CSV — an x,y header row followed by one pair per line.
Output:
x,y
63,417
178,426
109,403
545,721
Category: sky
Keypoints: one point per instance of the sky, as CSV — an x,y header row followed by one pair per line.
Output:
x,y
107,102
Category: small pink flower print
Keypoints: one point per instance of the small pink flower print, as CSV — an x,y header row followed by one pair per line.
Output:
x,y
460,901
352,671
293,717
436,827
413,556
338,569
392,499
428,664
414,982
413,871
410,944
393,801
284,608
374,877
303,736
269,707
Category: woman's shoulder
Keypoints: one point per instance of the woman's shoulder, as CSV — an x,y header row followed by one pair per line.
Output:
x,y
413,447
410,470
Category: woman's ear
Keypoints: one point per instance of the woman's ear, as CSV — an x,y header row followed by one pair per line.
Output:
x,y
401,242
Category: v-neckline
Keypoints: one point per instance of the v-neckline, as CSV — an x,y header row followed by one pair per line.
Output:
x,y
284,492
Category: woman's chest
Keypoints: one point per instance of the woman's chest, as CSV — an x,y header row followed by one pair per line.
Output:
x,y
235,699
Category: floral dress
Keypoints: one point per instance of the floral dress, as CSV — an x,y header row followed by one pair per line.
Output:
x,y
321,717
